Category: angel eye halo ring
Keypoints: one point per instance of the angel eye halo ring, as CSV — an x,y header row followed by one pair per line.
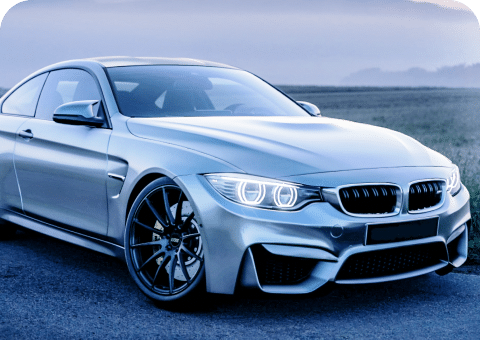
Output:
x,y
454,185
251,193
287,199
263,192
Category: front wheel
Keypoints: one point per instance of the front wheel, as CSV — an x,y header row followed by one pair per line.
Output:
x,y
163,244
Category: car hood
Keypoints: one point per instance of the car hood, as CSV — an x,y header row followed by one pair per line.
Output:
x,y
286,146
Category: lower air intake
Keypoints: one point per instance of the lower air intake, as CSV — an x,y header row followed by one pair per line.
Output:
x,y
388,262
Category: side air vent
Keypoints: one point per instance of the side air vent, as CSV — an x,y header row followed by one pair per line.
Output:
x,y
370,199
424,195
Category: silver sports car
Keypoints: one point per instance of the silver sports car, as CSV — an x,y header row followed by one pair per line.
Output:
x,y
204,177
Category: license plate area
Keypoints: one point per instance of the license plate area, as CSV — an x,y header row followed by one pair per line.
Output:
x,y
402,231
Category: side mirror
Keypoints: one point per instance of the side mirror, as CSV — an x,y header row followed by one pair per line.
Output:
x,y
310,108
79,113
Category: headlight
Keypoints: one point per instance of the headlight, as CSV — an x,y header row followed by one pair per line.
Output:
x,y
262,192
453,183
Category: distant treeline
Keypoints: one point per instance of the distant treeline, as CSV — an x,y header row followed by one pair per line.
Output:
x,y
3,91
465,76
339,89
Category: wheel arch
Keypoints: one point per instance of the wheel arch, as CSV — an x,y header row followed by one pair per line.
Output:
x,y
139,186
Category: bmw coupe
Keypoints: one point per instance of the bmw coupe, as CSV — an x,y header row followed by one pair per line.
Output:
x,y
205,178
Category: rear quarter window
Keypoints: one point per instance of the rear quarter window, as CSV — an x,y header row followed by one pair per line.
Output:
x,y
23,100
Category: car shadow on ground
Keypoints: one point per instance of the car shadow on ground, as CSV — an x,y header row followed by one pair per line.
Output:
x,y
33,262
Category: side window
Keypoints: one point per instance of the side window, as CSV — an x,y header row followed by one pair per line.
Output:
x,y
64,86
24,99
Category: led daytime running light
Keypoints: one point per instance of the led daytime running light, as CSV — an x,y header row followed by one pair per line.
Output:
x,y
452,180
277,192
241,191
263,193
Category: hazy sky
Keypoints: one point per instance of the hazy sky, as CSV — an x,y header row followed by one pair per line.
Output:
x,y
285,42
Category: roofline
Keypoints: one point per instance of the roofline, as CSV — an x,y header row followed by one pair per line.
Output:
x,y
120,61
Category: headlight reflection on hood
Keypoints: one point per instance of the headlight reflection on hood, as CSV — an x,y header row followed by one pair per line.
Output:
x,y
453,183
262,192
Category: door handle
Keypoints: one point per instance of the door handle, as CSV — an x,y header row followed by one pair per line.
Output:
x,y
27,134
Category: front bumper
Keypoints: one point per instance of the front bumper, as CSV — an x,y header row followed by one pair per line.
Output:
x,y
297,252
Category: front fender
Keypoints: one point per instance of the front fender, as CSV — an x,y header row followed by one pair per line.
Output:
x,y
144,157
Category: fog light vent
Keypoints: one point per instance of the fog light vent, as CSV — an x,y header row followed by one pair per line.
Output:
x,y
280,270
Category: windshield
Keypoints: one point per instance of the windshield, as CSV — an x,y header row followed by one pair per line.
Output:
x,y
194,91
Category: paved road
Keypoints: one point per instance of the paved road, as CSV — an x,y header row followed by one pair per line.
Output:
x,y
53,290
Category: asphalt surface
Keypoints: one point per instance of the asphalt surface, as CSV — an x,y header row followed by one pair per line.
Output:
x,y
53,290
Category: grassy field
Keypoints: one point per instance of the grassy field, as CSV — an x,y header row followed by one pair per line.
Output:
x,y
445,120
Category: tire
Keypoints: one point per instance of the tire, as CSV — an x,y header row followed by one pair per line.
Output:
x,y
7,230
163,245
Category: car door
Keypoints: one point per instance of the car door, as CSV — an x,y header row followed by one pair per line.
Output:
x,y
61,168
16,109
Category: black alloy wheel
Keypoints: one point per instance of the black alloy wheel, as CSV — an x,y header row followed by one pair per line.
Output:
x,y
163,244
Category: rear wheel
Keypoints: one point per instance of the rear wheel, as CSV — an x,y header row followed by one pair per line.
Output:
x,y
163,244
